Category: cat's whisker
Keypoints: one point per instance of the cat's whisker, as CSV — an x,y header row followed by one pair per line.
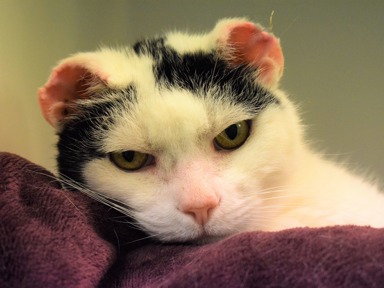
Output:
x,y
52,177
102,198
270,207
130,223
150,237
269,195
277,193
118,217
292,196
272,189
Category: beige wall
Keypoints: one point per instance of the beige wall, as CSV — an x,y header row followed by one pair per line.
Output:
x,y
334,61
34,35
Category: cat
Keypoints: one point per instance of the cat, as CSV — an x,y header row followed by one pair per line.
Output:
x,y
191,136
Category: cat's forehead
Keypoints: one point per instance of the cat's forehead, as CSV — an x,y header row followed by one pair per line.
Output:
x,y
157,63
172,119
180,98
171,97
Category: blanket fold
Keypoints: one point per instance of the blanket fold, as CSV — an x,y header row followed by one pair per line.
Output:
x,y
50,237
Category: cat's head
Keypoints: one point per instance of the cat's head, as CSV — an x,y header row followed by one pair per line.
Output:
x,y
188,132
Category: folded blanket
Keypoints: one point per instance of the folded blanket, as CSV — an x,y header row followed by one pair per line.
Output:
x,y
50,237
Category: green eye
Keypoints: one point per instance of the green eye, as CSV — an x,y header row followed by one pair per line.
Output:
x,y
233,136
130,160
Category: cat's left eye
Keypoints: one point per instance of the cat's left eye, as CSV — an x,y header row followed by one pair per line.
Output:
x,y
130,160
233,136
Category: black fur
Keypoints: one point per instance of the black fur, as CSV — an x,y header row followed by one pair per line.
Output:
x,y
79,139
202,71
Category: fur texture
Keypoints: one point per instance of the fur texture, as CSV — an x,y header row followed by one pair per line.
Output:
x,y
169,97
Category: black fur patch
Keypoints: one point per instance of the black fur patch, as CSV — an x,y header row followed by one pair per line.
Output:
x,y
81,136
202,71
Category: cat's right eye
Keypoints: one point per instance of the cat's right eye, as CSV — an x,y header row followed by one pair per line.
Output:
x,y
130,160
233,136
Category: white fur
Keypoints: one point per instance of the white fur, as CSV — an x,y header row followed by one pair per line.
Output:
x,y
274,181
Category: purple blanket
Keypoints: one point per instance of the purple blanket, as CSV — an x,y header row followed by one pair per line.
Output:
x,y
50,237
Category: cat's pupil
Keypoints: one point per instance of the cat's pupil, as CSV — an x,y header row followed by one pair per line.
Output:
x,y
231,131
128,155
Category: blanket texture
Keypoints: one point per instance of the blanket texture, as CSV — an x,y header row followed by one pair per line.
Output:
x,y
50,237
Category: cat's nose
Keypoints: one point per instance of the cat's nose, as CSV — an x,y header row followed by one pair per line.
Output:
x,y
200,215
201,212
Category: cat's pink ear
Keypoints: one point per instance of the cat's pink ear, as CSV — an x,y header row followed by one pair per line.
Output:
x,y
79,77
244,43
71,80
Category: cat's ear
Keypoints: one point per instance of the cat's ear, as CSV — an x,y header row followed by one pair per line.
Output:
x,y
79,77
242,42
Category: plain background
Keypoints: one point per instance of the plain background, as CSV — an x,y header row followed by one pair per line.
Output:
x,y
333,50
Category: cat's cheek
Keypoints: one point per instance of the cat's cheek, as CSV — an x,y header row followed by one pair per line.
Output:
x,y
156,203
153,200
271,148
133,189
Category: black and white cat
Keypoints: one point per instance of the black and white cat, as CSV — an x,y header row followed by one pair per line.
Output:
x,y
191,137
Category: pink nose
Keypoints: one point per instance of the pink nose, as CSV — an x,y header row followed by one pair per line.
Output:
x,y
201,212
201,215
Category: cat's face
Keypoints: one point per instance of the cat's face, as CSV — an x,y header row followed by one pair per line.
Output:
x,y
190,143
184,169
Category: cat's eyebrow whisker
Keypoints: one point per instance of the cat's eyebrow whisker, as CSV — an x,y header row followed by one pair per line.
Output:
x,y
213,72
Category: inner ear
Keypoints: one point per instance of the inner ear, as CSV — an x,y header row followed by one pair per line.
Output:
x,y
244,43
66,85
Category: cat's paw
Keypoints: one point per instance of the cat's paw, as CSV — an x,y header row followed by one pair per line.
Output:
x,y
242,42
